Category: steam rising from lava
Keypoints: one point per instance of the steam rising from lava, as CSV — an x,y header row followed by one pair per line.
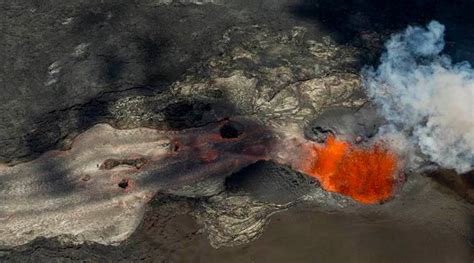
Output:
x,y
425,97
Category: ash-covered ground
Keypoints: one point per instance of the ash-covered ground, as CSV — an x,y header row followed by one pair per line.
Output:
x,y
179,65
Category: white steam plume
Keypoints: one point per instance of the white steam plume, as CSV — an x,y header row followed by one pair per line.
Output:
x,y
425,96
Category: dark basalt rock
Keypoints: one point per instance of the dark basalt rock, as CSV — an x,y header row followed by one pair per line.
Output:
x,y
363,122
461,184
231,130
268,182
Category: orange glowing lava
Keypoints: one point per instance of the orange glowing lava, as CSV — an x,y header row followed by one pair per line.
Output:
x,y
365,174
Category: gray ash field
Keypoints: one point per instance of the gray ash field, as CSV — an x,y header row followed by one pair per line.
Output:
x,y
172,131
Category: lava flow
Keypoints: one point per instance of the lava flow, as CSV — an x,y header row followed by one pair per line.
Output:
x,y
90,189
365,174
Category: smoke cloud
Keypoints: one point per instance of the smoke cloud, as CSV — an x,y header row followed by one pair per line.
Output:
x,y
425,97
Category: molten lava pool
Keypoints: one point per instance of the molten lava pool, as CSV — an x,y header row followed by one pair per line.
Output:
x,y
365,174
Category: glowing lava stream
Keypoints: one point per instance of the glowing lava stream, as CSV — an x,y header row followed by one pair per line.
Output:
x,y
365,174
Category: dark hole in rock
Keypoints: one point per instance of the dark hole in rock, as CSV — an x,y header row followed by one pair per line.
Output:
x,y
178,110
204,107
123,184
186,114
231,130
321,134
175,147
